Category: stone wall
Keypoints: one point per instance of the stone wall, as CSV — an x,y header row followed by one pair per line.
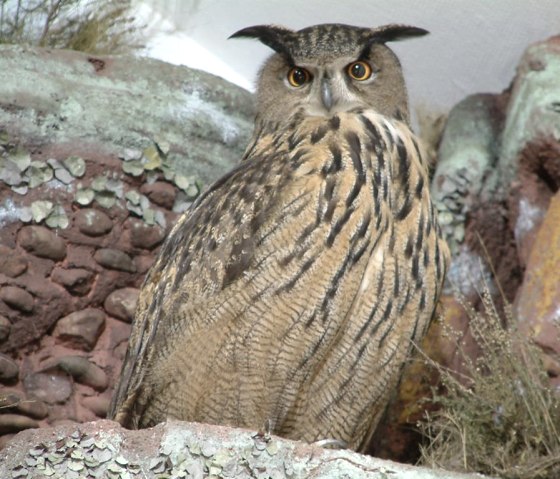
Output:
x,y
98,156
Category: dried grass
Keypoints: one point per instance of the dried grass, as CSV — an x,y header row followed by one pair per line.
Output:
x,y
92,26
501,418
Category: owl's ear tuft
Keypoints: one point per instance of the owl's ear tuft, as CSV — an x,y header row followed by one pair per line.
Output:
x,y
271,35
395,32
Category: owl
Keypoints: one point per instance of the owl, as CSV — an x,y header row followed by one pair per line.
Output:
x,y
291,292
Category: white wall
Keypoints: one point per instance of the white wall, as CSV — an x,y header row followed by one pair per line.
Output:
x,y
474,45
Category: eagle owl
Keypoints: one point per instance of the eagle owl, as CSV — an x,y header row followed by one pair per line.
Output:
x,y
291,292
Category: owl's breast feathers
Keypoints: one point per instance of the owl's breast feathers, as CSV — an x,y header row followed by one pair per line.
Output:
x,y
293,287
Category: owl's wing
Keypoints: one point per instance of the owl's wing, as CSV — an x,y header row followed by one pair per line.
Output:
x,y
206,251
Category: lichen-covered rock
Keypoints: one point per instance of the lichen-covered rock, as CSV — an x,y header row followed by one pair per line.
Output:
x,y
121,303
177,449
42,242
80,329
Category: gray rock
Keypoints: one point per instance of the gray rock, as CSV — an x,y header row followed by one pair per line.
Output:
x,y
121,303
200,122
42,242
84,371
80,329
77,281
50,386
171,449
9,369
114,259
93,222
5,328
11,263
17,298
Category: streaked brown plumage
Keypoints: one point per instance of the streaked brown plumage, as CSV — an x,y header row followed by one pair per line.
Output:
x,y
291,291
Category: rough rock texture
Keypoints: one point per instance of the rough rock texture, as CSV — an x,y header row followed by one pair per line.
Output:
x,y
97,158
179,449
496,189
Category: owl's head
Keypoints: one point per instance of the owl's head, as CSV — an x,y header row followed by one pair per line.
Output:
x,y
326,69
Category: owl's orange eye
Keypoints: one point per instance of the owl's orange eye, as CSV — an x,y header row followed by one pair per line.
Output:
x,y
297,76
359,70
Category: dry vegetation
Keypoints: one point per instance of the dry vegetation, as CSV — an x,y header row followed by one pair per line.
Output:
x,y
92,26
501,418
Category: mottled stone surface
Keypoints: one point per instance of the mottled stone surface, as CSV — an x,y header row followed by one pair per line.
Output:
x,y
11,263
5,328
162,194
17,298
49,386
9,369
173,448
77,281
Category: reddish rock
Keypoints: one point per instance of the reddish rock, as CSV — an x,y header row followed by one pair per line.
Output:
x,y
143,263
161,193
144,236
50,386
114,259
42,242
12,400
80,329
98,405
93,222
77,281
9,370
121,303
537,306
17,298
11,263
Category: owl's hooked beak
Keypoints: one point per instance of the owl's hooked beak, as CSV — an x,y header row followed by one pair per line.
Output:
x,y
326,93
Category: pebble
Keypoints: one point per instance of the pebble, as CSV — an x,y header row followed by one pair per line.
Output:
x,y
17,298
50,386
98,405
80,329
114,259
84,371
121,304
161,193
15,422
13,400
77,281
9,369
11,264
93,222
145,236
5,328
42,242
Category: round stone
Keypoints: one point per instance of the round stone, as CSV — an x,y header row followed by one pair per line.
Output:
x,y
52,387
11,264
144,236
121,304
77,281
17,298
161,193
42,242
114,259
93,222
80,329
84,371
9,369
15,422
